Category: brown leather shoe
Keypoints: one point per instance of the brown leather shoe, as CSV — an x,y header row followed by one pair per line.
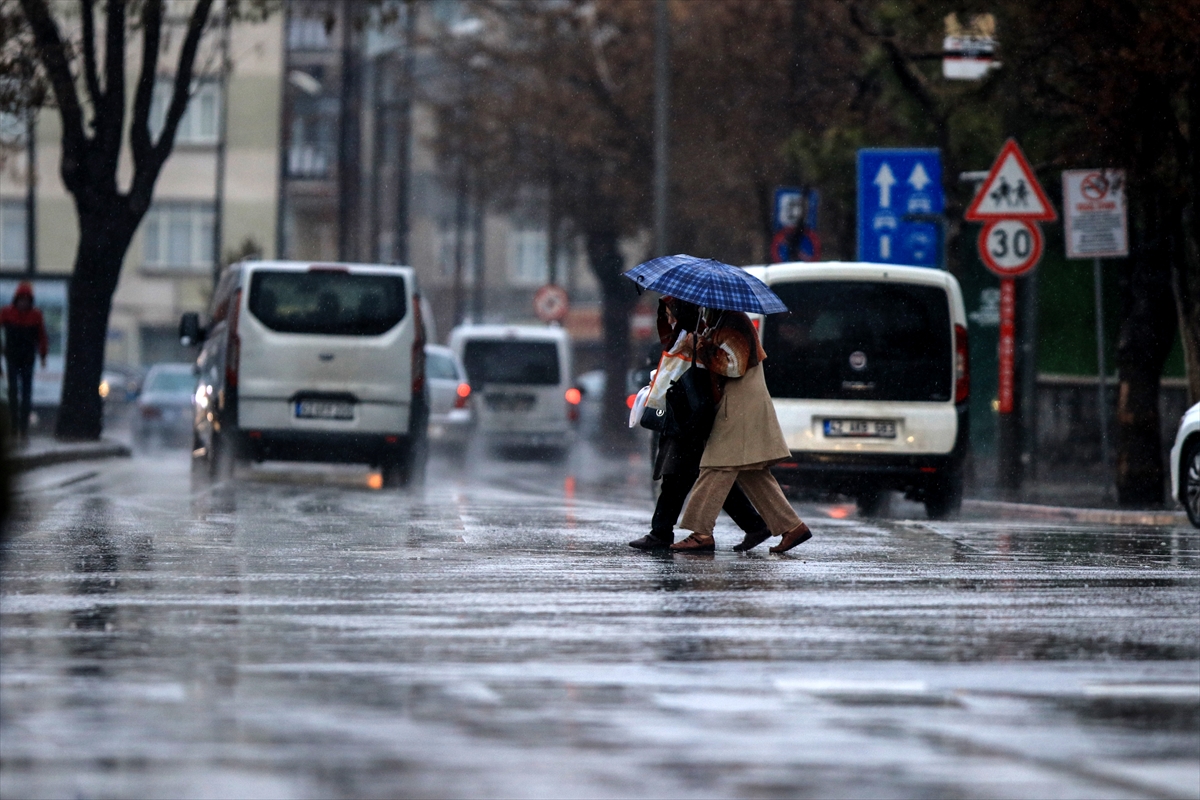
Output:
x,y
795,536
696,543
752,540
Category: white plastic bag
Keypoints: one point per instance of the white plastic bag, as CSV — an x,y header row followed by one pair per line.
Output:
x,y
639,405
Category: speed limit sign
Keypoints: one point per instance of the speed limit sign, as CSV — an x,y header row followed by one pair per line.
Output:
x,y
1010,247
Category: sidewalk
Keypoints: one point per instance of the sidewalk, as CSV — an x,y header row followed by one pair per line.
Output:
x,y
994,509
43,451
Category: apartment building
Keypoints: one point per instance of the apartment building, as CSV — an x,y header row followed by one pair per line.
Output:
x,y
322,122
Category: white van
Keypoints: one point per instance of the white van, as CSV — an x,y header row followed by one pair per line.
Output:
x,y
312,362
870,380
521,375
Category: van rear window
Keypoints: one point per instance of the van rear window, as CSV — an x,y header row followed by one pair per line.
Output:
x,y
529,363
859,340
329,303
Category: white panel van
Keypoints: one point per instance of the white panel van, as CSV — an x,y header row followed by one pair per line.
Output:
x,y
869,377
312,362
521,375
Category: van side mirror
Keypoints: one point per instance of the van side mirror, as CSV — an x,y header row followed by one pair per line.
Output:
x,y
190,331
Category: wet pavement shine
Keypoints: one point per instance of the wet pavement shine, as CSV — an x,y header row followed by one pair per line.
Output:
x,y
296,634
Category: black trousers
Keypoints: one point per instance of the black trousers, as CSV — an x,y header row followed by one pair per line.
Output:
x,y
675,490
20,395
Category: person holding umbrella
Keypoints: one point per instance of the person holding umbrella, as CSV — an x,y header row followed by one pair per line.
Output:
x,y
677,462
746,438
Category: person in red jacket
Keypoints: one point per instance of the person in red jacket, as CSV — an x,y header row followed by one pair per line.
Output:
x,y
24,338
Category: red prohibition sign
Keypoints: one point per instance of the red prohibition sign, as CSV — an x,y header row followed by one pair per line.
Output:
x,y
1011,247
1094,186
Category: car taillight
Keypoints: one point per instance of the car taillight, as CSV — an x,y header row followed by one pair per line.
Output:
x,y
962,365
573,397
233,353
462,395
629,401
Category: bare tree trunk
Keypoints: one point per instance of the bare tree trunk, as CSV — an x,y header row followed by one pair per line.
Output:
x,y
1148,329
1187,267
103,240
1186,282
618,298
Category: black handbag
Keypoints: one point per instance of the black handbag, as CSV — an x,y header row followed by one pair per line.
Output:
x,y
690,409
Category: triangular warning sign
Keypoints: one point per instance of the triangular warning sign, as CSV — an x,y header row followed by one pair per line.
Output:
x,y
1011,191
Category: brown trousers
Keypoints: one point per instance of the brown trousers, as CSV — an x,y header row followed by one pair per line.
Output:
x,y
758,484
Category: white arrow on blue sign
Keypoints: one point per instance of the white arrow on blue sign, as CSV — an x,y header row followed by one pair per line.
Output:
x,y
898,192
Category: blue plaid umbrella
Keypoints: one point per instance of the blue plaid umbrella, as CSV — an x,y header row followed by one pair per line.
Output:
x,y
707,283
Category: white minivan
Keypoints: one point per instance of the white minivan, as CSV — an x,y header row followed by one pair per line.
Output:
x,y
869,376
312,362
521,376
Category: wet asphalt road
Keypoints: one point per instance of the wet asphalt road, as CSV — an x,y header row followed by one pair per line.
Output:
x,y
296,634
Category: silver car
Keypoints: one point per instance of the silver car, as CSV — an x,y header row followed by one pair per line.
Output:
x,y
164,408
451,418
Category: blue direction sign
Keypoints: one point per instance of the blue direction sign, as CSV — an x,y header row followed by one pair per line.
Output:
x,y
899,198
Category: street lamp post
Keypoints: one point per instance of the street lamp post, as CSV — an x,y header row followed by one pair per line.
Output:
x,y
662,102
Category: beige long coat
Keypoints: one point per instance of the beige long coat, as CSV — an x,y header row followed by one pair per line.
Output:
x,y
746,432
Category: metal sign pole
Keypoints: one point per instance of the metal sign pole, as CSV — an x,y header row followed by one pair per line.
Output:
x,y
1006,429
1101,384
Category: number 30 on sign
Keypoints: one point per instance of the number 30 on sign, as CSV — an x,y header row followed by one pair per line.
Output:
x,y
1010,247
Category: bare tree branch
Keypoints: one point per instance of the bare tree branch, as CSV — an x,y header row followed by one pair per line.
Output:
x,y
112,120
54,56
139,134
146,173
88,17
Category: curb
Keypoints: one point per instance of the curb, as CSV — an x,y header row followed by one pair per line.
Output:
x,y
1103,516
23,462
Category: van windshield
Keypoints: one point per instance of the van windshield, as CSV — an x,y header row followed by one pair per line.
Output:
x,y
329,303
859,340
530,363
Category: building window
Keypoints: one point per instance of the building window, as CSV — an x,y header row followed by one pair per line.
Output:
x,y
528,257
307,33
199,124
178,236
312,149
14,251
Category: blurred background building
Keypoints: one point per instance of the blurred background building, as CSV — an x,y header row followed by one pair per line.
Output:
x,y
360,179
325,126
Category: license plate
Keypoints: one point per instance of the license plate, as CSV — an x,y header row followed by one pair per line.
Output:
x,y
861,428
510,402
324,409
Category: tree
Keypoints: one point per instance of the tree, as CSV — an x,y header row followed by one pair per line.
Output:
x,y
87,74
1116,84
564,94
562,99
1087,83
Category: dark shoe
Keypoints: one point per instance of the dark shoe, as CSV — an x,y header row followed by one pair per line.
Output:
x,y
652,541
795,536
753,540
696,543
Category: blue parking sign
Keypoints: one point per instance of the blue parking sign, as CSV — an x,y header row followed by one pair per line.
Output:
x,y
898,193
